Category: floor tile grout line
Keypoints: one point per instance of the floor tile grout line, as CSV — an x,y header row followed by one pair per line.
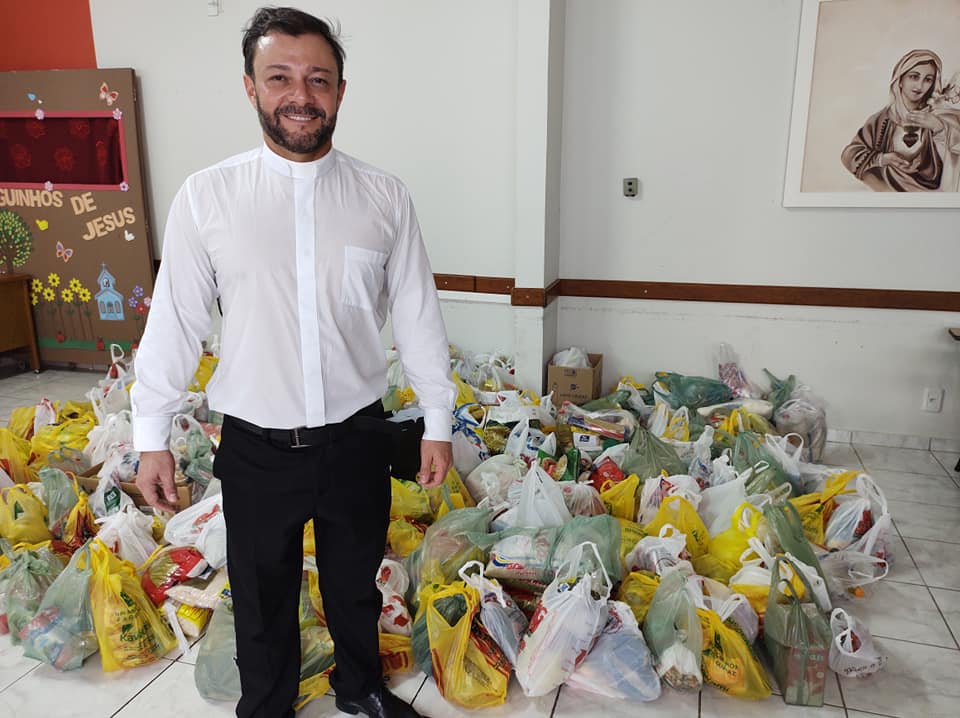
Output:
x,y
843,698
148,684
909,553
915,643
945,621
950,471
926,538
20,678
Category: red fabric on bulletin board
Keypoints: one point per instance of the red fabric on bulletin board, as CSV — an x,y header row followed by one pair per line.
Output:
x,y
62,150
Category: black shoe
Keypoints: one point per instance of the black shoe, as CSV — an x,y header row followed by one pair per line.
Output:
x,y
379,704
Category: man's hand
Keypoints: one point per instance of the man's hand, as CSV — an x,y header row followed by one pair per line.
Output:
x,y
436,457
155,479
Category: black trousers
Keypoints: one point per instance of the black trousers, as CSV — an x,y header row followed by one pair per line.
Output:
x,y
269,492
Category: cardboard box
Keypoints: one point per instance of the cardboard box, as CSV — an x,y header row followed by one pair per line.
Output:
x,y
575,385
88,481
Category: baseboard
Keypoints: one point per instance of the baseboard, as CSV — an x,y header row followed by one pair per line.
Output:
x,y
893,441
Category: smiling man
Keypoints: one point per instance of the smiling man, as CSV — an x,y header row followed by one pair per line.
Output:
x,y
308,250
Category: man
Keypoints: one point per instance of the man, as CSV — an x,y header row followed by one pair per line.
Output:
x,y
307,249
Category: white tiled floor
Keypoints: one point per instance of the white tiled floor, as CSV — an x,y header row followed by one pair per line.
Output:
x,y
914,615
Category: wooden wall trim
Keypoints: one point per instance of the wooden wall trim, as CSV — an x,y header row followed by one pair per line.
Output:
x,y
764,294
910,299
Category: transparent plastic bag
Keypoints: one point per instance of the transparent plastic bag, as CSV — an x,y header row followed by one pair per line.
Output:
x,y
61,633
673,632
620,665
499,613
216,674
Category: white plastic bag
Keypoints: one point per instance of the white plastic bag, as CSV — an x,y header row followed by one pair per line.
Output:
x,y
499,614
851,569
43,415
620,665
574,358
657,488
852,651
803,416
185,528
108,498
567,621
878,540
110,397
582,499
853,515
720,501
492,478
730,373
541,501
393,582
129,534
115,429
469,450
212,541
658,553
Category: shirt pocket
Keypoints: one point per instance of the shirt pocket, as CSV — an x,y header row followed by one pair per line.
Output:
x,y
363,277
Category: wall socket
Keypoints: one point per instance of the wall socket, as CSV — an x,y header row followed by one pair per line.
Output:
x,y
932,399
631,186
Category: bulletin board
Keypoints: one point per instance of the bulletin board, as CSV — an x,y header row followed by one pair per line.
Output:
x,y
73,212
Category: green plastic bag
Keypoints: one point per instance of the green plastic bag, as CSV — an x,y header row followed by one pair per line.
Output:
x,y
780,389
797,637
216,674
691,391
673,633
787,527
62,632
604,531
60,496
614,400
28,577
749,451
647,456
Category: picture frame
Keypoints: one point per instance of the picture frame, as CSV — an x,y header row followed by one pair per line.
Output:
x,y
851,141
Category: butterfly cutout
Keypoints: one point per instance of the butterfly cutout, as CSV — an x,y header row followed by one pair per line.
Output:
x,y
107,94
62,253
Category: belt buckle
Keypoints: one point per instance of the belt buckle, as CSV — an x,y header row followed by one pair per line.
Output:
x,y
296,443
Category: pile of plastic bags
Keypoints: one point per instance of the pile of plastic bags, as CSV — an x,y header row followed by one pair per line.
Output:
x,y
664,536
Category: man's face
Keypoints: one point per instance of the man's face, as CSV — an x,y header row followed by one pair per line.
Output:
x,y
297,92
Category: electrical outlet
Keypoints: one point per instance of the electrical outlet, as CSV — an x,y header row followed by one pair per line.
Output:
x,y
213,8
932,399
630,186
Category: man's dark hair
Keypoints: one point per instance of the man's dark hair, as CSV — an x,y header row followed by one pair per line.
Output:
x,y
289,21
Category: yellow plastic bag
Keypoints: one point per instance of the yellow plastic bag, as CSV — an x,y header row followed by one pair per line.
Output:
x,y
409,499
620,499
14,457
75,410
55,437
81,523
204,371
21,421
459,495
404,535
678,428
396,653
815,509
630,533
728,662
637,592
469,667
679,513
722,559
130,631
23,517
465,393
309,539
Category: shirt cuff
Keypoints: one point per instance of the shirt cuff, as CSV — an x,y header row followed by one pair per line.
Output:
x,y
437,425
151,433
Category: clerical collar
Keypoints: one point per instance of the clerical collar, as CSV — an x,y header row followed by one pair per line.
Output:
x,y
297,170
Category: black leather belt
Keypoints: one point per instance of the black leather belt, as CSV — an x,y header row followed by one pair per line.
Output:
x,y
304,437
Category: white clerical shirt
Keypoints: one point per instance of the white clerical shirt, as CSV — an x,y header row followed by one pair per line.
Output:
x,y
307,258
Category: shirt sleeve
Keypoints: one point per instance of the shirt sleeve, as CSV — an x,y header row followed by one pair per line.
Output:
x,y
418,329
178,322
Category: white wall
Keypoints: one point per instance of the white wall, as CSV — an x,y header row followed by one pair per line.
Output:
x,y
430,97
694,98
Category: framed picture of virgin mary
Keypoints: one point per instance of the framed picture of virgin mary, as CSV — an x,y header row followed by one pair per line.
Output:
x,y
876,106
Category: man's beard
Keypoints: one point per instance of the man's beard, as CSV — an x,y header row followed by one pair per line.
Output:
x,y
301,143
